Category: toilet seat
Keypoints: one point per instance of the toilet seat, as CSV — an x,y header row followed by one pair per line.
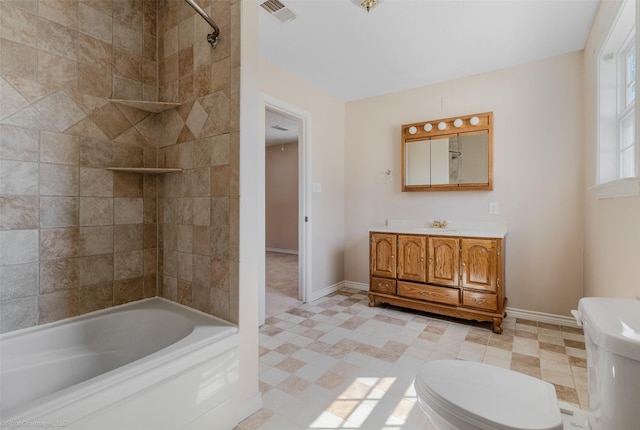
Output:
x,y
466,395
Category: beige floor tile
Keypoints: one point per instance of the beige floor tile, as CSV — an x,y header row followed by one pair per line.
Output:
x,y
337,363
498,357
293,384
557,378
555,366
554,355
470,351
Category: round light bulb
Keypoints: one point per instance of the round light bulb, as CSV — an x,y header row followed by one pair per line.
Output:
x,y
474,121
413,130
442,126
428,127
457,123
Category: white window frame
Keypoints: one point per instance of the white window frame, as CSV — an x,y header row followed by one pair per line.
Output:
x,y
619,42
627,108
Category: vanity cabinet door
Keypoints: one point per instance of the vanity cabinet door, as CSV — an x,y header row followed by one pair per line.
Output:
x,y
479,264
382,254
444,261
412,258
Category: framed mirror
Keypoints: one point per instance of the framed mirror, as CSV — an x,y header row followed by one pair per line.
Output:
x,y
451,154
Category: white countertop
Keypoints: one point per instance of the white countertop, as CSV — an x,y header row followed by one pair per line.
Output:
x,y
489,229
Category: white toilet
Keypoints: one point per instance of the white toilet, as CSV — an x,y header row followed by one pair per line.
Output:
x,y
461,395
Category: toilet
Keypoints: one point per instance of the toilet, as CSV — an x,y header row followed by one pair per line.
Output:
x,y
462,395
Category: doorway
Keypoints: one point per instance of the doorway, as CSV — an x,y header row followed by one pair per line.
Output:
x,y
281,213
286,269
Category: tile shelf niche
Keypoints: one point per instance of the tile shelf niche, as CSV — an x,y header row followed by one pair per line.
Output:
x,y
153,107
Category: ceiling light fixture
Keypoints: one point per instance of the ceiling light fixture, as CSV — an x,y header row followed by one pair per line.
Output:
x,y
366,4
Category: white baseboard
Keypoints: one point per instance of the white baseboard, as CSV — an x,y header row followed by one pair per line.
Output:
x,y
250,406
315,295
542,317
513,312
282,250
356,285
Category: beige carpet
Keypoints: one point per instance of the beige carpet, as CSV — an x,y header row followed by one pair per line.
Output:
x,y
281,283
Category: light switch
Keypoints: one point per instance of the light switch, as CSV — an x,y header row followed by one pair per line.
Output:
x,y
494,208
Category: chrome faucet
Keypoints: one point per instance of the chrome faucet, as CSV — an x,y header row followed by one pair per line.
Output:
x,y
439,223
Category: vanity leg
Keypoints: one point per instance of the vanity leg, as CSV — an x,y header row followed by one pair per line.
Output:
x,y
496,325
372,301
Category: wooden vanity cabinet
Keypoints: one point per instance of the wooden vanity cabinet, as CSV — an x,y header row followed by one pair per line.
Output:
x,y
444,261
460,277
480,264
412,257
382,262
383,254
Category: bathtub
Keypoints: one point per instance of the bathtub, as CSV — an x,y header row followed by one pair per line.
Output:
x,y
151,364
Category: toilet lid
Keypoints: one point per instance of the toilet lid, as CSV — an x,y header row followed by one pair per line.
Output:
x,y
488,397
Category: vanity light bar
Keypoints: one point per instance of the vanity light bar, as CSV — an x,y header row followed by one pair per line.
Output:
x,y
480,121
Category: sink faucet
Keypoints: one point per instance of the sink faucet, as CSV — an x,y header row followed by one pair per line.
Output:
x,y
437,223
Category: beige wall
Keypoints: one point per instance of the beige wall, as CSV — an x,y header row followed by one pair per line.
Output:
x,y
612,227
328,168
538,152
251,252
281,197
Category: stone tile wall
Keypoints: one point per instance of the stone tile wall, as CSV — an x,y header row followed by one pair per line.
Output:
x,y
198,208
75,237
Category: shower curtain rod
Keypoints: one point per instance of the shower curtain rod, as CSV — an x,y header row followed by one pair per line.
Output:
x,y
213,37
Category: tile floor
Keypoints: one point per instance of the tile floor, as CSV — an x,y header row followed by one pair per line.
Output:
x,y
281,271
337,364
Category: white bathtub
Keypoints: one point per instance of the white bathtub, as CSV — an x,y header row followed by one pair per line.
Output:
x,y
151,364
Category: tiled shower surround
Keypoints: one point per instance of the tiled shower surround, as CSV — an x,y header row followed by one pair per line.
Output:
x,y
75,237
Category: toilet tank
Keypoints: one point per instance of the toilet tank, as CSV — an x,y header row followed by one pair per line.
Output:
x,y
612,340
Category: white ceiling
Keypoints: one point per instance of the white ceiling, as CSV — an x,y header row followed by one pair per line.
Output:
x,y
276,136
402,44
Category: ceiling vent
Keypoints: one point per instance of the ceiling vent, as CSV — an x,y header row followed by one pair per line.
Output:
x,y
279,10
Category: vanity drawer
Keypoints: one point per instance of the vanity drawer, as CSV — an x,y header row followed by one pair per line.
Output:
x,y
382,285
450,296
479,300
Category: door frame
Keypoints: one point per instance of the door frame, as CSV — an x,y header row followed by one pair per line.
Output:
x,y
304,198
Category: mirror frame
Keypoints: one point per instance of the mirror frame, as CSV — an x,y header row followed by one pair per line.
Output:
x,y
485,123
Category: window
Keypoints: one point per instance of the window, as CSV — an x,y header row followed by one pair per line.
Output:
x,y
626,117
618,154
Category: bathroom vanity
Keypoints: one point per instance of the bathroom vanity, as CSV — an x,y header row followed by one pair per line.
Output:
x,y
456,270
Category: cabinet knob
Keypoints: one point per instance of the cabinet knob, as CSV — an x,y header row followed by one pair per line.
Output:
x,y
430,260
